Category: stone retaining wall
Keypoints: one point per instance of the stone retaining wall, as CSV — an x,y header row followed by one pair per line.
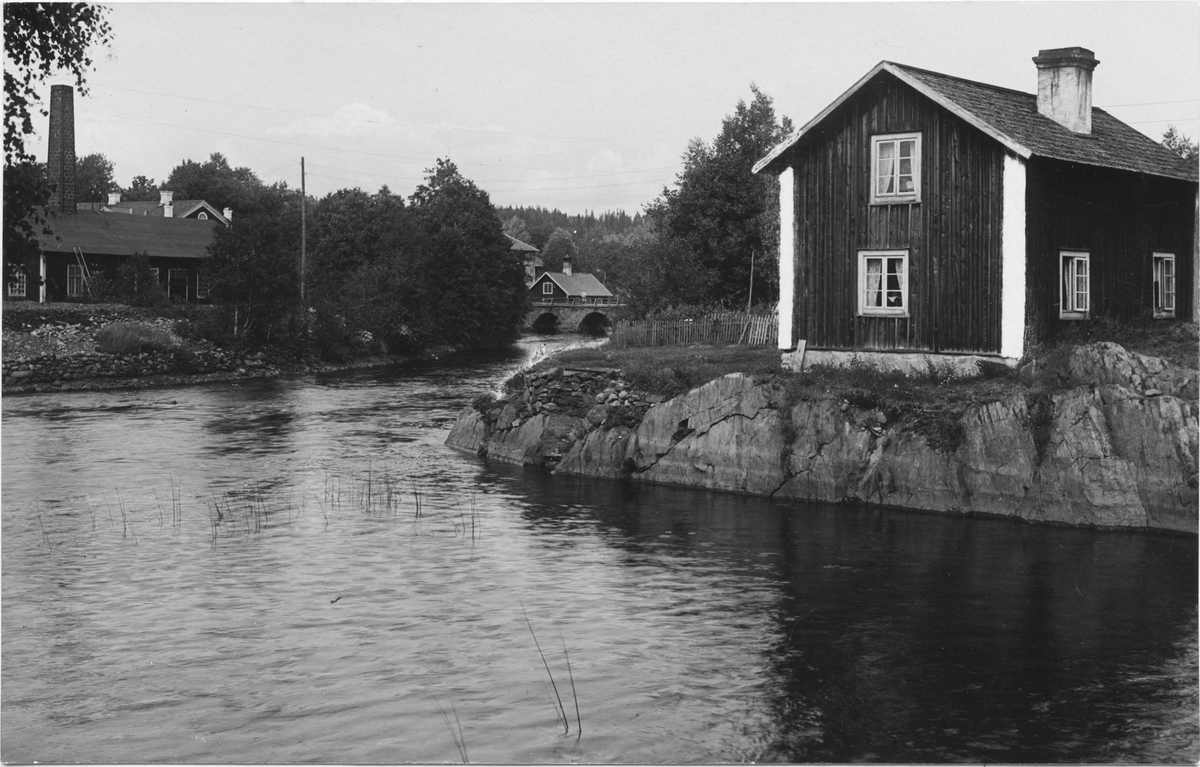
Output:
x,y
41,373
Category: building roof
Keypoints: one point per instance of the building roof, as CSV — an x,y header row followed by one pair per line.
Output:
x,y
1011,117
114,234
524,247
577,284
181,208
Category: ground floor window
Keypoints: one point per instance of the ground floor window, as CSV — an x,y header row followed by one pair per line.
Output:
x,y
1164,284
201,284
177,283
1076,285
16,287
883,283
75,285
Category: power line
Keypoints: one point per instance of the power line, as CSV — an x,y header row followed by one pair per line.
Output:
x,y
506,180
1149,103
1176,120
306,146
427,126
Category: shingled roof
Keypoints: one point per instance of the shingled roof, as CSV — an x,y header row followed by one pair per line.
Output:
x,y
578,284
118,234
523,247
1011,117
182,208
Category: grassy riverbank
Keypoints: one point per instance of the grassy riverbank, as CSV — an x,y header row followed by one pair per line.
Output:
x,y
71,347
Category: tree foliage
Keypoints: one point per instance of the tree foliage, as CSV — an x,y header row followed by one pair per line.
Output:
x,y
254,274
94,178
559,246
721,211
478,297
141,189
516,227
1180,144
220,184
40,39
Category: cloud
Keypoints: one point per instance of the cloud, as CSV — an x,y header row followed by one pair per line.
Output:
x,y
351,120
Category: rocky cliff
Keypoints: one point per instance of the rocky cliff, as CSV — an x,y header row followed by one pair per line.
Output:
x,y
1098,436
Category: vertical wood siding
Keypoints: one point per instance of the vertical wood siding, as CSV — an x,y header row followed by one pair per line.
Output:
x,y
952,235
1120,218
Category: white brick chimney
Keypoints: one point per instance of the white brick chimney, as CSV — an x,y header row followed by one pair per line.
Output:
x,y
1065,86
164,202
567,264
228,214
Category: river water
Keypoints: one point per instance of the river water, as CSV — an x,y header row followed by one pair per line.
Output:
x,y
299,571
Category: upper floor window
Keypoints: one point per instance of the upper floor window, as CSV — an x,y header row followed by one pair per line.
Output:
x,y
547,287
883,283
896,168
1075,282
203,216
1164,284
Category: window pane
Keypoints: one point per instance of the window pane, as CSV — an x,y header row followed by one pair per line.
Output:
x,y
906,148
887,149
874,296
906,184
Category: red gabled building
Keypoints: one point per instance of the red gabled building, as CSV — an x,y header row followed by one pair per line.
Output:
x,y
922,212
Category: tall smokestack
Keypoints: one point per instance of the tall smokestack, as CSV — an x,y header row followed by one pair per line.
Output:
x,y
61,160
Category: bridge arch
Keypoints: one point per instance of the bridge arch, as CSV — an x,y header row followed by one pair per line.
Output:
x,y
595,324
546,322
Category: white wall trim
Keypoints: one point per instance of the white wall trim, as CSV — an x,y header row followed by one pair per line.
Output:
x,y
787,255
42,274
1012,248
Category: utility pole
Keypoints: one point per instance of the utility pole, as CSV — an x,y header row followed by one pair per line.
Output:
x,y
303,229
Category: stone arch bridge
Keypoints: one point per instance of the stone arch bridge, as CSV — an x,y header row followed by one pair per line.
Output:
x,y
577,316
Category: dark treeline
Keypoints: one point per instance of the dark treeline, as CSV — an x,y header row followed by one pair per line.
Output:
x,y
383,274
541,223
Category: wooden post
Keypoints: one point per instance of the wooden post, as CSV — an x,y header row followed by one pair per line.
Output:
x,y
303,231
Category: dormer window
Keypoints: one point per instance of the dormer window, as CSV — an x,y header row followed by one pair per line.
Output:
x,y
896,168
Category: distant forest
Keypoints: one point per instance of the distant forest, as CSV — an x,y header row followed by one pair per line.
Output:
x,y
541,222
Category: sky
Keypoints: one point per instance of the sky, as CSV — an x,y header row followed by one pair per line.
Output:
x,y
576,106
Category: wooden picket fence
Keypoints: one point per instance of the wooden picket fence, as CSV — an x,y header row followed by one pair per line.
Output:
x,y
718,327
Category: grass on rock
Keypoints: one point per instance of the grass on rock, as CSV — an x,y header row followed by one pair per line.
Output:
x,y
124,337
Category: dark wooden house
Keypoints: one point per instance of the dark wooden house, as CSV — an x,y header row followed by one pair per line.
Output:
x,y
568,288
88,243
925,213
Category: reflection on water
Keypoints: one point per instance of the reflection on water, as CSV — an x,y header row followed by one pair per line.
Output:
x,y
241,574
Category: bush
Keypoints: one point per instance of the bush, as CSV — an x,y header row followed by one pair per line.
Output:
x,y
125,338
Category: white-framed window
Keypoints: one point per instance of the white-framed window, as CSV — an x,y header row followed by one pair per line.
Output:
x,y
547,288
154,271
74,281
201,284
1164,284
1075,282
883,283
896,168
16,288
203,216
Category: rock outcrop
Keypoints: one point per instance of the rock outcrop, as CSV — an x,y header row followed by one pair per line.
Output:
x,y
1113,443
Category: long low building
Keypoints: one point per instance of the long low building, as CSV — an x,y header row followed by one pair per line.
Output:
x,y
87,242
